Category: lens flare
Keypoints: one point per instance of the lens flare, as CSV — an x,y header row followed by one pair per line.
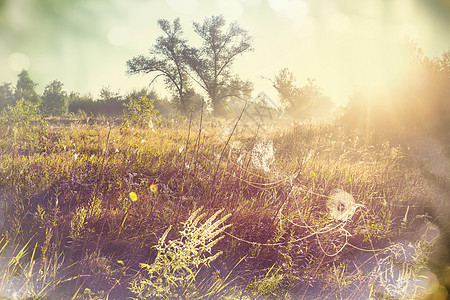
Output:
x,y
18,61
153,188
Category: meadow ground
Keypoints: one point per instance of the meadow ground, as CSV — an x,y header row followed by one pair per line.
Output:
x,y
213,211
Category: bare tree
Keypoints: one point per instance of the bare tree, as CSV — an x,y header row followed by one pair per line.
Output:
x,y
212,61
167,60
300,103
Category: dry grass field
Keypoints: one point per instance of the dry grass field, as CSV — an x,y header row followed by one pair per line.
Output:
x,y
204,211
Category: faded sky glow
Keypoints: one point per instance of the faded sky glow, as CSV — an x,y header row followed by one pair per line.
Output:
x,y
344,44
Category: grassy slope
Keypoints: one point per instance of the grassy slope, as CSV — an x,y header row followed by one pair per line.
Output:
x,y
66,203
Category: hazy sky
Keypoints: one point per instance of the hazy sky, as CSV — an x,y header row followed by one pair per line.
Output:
x,y
344,44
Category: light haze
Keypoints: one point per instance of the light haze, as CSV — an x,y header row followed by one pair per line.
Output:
x,y
343,44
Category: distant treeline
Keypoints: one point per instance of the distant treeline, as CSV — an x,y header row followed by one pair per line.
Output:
x,y
418,99
56,102
112,104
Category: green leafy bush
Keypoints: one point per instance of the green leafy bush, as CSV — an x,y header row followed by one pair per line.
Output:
x,y
23,125
141,112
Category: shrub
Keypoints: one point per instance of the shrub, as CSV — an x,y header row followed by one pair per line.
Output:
x,y
23,124
178,261
141,112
